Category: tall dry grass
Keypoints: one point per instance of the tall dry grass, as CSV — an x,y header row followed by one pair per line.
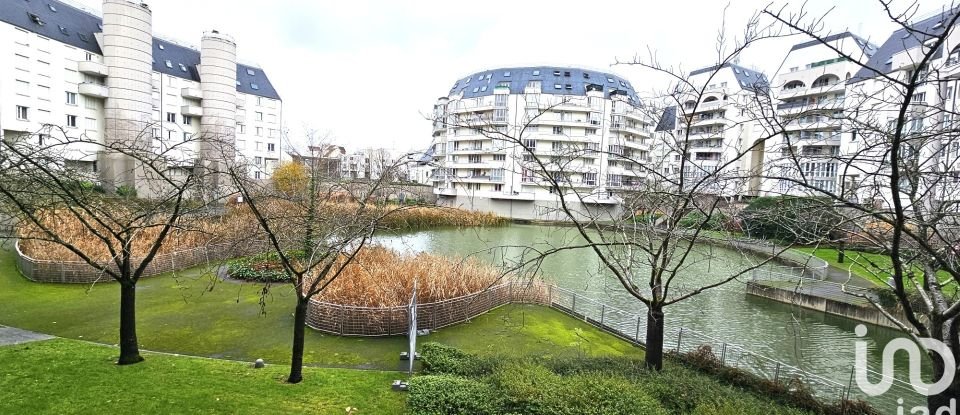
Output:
x,y
68,227
237,226
380,277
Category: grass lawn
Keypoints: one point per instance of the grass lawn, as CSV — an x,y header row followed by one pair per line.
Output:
x,y
859,263
66,376
182,315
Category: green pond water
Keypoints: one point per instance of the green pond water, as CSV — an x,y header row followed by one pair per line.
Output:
x,y
812,341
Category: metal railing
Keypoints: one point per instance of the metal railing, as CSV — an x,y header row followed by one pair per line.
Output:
x,y
633,327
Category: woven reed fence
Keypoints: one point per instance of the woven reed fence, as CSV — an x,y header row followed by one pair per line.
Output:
x,y
79,272
346,320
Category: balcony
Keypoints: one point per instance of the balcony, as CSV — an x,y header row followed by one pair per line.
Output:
x,y
445,191
603,198
191,110
191,93
91,89
92,68
522,196
241,117
241,102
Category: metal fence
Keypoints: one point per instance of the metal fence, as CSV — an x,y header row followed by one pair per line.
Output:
x,y
633,327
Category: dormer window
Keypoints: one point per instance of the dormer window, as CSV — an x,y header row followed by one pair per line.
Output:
x,y
52,8
160,45
168,63
251,72
36,19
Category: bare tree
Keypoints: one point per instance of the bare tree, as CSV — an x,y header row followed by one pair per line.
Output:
x,y
898,176
116,218
317,230
646,218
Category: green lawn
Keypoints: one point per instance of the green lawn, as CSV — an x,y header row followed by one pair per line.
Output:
x,y
859,263
66,376
182,315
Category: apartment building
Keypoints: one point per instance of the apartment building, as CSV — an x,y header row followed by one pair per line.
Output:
x,y
722,152
585,126
106,77
810,89
930,153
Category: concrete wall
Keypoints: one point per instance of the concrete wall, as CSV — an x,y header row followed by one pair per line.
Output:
x,y
865,314
540,210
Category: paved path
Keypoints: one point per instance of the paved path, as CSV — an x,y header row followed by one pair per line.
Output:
x,y
10,335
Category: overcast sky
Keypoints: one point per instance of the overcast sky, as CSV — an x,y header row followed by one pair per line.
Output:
x,y
367,71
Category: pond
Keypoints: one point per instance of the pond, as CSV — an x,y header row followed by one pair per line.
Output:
x,y
815,342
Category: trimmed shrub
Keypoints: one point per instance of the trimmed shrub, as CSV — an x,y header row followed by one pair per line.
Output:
x,y
442,359
790,218
452,395
532,389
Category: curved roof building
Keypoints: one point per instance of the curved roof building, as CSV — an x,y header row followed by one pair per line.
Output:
x,y
556,80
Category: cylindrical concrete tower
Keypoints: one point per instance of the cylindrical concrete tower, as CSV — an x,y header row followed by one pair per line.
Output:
x,y
128,54
218,83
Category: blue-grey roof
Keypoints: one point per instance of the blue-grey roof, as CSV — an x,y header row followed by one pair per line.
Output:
x,y
748,78
899,41
867,47
572,81
72,26
668,121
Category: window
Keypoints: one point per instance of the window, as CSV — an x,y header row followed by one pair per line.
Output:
x,y
499,157
169,134
168,63
156,134
183,67
22,113
557,86
271,147
497,187
591,131
507,73
258,160
89,57
72,121
259,116
187,120
186,136
536,73
254,86
171,117
557,130
71,98
259,101
251,72
529,143
241,129
259,132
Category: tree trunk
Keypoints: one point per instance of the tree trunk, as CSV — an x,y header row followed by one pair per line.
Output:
x,y
947,398
129,348
299,326
654,352
841,251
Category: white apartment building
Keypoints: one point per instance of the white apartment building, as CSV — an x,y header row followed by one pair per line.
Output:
x,y
107,77
720,156
930,139
366,164
585,124
810,89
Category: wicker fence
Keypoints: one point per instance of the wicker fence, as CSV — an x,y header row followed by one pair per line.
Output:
x,y
79,272
365,321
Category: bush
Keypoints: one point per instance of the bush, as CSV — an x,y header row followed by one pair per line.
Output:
x,y
696,219
451,395
789,218
261,267
125,191
532,389
442,359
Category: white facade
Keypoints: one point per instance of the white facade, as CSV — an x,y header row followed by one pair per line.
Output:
x,y
811,89
724,147
583,124
108,79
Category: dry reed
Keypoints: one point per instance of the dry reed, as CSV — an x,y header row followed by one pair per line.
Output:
x,y
380,277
